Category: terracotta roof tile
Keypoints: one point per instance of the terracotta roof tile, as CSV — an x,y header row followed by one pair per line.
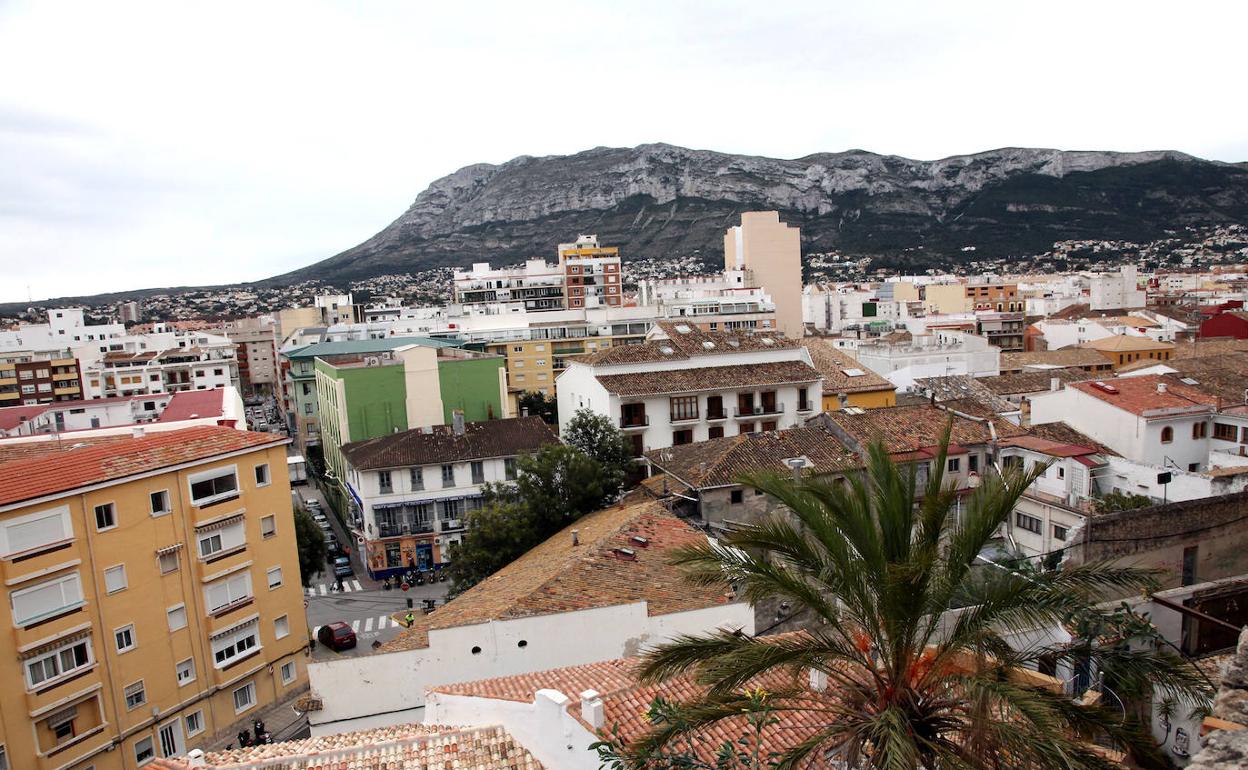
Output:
x,y
708,378
1125,342
557,576
1210,347
48,443
1066,357
720,461
833,363
905,429
676,341
487,438
194,404
25,479
398,747
1140,395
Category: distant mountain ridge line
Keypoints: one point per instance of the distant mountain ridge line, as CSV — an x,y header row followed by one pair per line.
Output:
x,y
659,200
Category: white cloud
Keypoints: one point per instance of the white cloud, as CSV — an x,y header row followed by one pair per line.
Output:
x,y
165,143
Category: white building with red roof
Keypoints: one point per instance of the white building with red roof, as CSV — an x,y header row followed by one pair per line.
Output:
x,y
118,415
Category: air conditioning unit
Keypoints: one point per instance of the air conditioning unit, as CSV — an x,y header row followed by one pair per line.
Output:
x,y
454,524
372,361
758,410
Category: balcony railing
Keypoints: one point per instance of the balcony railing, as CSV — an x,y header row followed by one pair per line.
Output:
x,y
805,406
678,418
396,530
718,414
759,410
634,421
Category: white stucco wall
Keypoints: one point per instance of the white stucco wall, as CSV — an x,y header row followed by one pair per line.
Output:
x,y
383,685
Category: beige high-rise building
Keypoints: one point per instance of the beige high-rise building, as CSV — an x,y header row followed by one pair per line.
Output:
x,y
771,253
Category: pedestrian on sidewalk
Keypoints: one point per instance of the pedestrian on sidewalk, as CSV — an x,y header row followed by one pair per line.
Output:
x,y
339,579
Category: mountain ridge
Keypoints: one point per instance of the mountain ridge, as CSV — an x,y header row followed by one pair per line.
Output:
x,y
660,199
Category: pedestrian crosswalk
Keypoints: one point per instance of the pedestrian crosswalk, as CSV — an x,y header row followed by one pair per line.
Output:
x,y
368,625
325,589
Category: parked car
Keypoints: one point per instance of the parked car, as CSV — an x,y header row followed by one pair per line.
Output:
x,y
342,567
332,548
336,636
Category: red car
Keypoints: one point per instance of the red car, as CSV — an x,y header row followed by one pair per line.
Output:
x,y
336,636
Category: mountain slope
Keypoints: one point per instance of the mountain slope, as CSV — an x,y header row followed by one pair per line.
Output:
x,y
660,200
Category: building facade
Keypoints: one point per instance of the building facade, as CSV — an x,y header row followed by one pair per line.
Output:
x,y
770,253
29,378
154,596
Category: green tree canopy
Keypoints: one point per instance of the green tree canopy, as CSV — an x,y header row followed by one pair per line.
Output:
x,y
598,437
540,405
311,544
878,562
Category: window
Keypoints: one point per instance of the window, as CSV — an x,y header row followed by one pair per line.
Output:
x,y
972,464
1060,533
307,408
124,637
115,579
736,496
268,526
194,723
716,431
955,464
1223,432
234,644
448,475
105,516
680,437
1200,429
384,482
262,475
135,695
1193,467
288,672
160,502
281,627
226,538
684,408
176,616
185,672
46,600
35,530
478,471
144,750
1029,523
168,562
244,697
214,486
418,479
275,577
1167,435
227,592
509,468
58,662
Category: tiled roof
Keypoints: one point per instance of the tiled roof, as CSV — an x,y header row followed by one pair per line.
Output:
x,y
194,404
1048,446
1139,395
1061,433
25,479
557,576
720,461
958,387
1119,343
1210,347
398,747
625,703
365,346
1031,381
833,364
905,429
1225,375
20,449
13,416
1066,357
676,341
484,439
708,378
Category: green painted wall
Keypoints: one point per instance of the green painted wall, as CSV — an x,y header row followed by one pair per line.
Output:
x,y
375,401
471,385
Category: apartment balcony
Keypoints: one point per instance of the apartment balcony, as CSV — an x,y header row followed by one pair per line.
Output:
x,y
68,390
716,415
399,530
7,381
64,362
451,525
807,406
683,418
759,410
633,422
65,375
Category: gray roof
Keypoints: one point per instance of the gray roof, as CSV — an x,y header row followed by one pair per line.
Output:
x,y
367,346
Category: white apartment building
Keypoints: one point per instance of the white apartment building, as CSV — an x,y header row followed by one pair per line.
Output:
x,y
66,328
535,285
930,355
163,361
1152,419
414,488
1110,291
121,415
685,384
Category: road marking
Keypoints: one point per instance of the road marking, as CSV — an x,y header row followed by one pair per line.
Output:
x,y
368,624
383,622
323,591
311,590
356,585
316,631
355,626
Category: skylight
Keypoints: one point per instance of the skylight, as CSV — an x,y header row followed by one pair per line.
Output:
x,y
853,372
666,350
768,341
683,328
708,344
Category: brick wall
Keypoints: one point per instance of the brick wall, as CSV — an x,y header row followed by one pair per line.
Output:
x,y
1157,536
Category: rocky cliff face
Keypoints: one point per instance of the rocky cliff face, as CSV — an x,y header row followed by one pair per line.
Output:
x,y
659,200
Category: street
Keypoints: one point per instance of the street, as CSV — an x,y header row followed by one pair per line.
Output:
x,y
362,604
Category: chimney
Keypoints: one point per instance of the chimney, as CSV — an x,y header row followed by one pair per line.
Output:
x,y
457,420
1055,384
137,431
818,680
524,411
195,758
1024,413
591,709
576,537
1161,387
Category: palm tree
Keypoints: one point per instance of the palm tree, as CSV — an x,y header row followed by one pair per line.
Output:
x,y
911,684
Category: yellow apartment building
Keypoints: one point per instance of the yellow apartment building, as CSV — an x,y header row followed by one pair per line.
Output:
x,y
153,596
845,381
1123,349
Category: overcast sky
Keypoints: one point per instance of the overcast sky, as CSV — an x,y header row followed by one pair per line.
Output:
x,y
167,143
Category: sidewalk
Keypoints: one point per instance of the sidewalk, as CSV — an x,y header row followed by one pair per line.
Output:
x,y
279,719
